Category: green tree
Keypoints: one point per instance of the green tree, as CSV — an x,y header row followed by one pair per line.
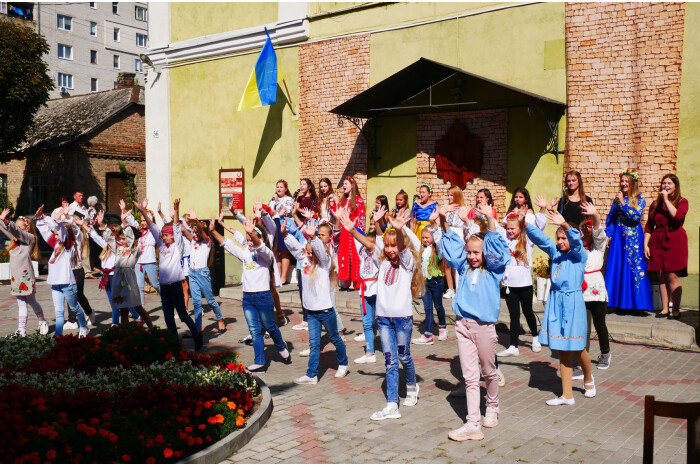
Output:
x,y
24,81
130,190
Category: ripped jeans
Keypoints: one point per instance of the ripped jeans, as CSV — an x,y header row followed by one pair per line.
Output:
x,y
395,334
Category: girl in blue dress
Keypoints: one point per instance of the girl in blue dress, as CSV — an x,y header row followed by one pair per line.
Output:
x,y
626,277
423,208
564,323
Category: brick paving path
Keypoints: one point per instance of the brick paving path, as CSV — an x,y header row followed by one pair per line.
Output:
x,y
329,422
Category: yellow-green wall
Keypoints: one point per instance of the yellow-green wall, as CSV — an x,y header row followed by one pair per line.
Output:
x,y
193,19
688,165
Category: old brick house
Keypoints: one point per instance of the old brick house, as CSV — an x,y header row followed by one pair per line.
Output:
x,y
76,144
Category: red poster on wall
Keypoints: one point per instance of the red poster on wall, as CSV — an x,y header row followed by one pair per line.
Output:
x,y
231,188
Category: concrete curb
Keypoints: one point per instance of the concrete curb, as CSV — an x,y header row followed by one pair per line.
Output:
x,y
223,448
661,333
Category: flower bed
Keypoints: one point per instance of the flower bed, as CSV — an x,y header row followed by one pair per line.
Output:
x,y
129,396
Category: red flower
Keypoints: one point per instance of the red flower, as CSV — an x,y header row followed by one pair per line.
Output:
x,y
151,460
202,426
207,405
113,438
90,431
126,458
88,448
167,453
51,454
23,286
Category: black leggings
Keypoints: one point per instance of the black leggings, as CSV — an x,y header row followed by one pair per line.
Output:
x,y
515,298
597,311
79,275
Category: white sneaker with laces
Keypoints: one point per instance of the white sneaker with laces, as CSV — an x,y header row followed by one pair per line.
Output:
x,y
83,332
423,340
411,397
305,353
304,326
44,328
443,334
69,325
449,294
466,432
20,333
342,371
390,411
536,346
366,359
501,378
306,380
359,338
511,351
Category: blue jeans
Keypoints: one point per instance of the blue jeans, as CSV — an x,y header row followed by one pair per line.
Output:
x,y
433,295
258,308
395,334
327,319
200,284
60,293
150,270
368,323
173,298
115,311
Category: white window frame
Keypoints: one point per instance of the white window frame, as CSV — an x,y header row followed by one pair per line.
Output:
x,y
93,33
65,48
66,82
117,59
144,40
97,85
138,8
97,55
115,8
138,65
93,5
117,35
61,22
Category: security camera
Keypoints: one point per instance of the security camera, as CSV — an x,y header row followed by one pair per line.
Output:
x,y
147,60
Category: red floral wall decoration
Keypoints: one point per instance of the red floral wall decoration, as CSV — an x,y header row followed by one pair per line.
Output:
x,y
458,155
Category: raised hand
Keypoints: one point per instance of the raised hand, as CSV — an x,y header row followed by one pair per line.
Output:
x,y
310,229
176,204
486,210
173,213
140,207
257,211
159,208
402,218
345,221
443,210
99,218
541,201
4,214
144,203
221,217
283,227
125,214
463,213
307,213
249,227
295,208
212,224
258,204
39,214
554,202
522,212
193,214
556,217
588,209
65,209
78,221
122,205
379,213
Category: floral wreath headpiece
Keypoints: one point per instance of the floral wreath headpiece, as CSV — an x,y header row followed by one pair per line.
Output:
x,y
430,189
203,224
349,177
631,173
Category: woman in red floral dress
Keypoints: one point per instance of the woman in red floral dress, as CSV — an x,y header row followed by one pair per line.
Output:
x,y
666,243
348,260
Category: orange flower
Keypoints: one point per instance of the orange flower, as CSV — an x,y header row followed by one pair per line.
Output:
x,y
240,421
231,405
224,399
219,418
207,405
202,426
167,453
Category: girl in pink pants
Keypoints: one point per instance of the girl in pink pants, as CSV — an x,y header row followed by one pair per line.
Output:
x,y
476,304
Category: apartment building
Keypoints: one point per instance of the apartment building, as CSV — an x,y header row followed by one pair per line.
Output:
x,y
91,42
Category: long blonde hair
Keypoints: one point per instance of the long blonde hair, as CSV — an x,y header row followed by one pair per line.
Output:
x,y
520,253
457,195
116,232
332,273
633,193
34,255
417,281
75,259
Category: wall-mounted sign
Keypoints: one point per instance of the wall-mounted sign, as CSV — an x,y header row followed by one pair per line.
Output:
x,y
231,184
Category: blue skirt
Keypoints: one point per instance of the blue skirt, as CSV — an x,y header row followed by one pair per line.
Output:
x,y
564,325
626,277
279,238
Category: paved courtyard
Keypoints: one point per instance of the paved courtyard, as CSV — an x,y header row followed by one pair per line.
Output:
x,y
329,422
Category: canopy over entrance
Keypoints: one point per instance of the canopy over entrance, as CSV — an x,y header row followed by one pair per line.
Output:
x,y
427,86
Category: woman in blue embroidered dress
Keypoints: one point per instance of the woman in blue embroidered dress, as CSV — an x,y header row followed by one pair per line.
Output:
x,y
564,323
422,209
626,277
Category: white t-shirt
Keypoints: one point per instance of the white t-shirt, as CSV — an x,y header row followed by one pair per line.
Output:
x,y
199,254
60,264
394,297
316,287
519,274
256,265
170,255
74,206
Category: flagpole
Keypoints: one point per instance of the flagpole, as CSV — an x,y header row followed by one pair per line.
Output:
x,y
289,96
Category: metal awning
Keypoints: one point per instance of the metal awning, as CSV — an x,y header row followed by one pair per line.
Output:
x,y
427,86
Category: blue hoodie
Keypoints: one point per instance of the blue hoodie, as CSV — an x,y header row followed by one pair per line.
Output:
x,y
478,295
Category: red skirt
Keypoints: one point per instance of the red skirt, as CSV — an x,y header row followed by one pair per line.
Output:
x,y
348,260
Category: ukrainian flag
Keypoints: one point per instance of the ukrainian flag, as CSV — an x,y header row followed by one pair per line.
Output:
x,y
261,89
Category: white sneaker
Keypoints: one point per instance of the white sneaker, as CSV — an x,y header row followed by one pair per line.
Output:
x,y
69,325
501,378
466,432
359,338
87,320
443,334
365,359
342,371
305,353
449,294
511,351
491,417
306,380
44,328
411,397
83,332
304,326
390,411
423,340
20,333
536,346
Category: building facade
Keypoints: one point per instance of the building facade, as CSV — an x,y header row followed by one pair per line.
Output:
x,y
91,42
624,70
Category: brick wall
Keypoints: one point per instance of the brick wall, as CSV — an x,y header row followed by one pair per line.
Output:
x,y
623,81
331,72
491,126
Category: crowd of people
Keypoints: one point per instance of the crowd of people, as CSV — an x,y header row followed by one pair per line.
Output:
x,y
421,251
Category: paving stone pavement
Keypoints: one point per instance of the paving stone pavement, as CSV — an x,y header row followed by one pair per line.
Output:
x,y
329,422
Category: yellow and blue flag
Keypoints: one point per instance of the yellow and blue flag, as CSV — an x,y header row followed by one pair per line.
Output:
x,y
261,89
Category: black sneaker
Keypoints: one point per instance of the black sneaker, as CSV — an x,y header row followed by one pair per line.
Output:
x,y
198,342
256,370
288,360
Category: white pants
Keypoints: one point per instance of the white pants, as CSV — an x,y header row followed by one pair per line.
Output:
x,y
22,302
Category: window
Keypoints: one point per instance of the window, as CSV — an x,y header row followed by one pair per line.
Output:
x,y
93,5
3,183
93,29
63,22
141,13
138,66
65,52
115,8
93,57
38,191
116,62
93,85
141,40
116,34
3,7
115,85
65,81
